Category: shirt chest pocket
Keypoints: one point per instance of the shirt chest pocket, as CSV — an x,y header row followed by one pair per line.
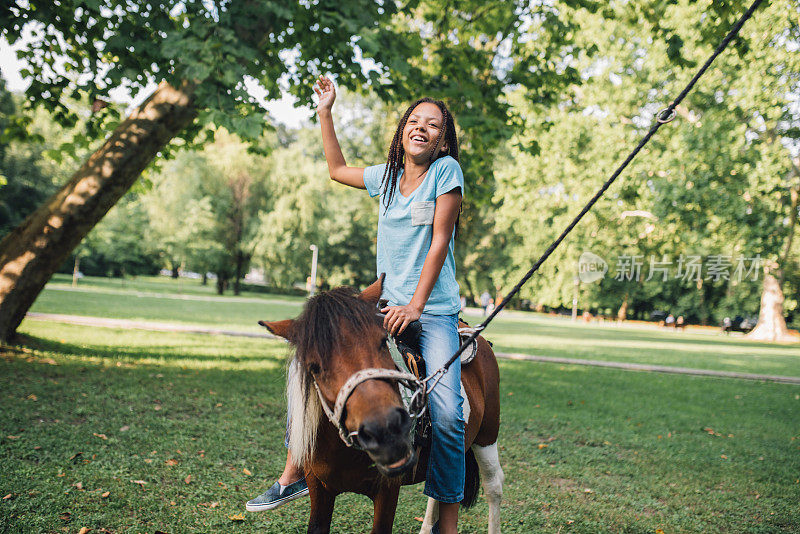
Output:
x,y
422,212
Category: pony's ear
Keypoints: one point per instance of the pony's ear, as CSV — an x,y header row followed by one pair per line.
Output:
x,y
279,328
373,293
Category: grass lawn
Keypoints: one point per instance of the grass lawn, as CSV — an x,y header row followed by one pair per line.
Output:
x,y
135,431
187,302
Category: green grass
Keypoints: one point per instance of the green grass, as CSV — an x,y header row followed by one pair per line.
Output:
x,y
584,449
163,299
640,344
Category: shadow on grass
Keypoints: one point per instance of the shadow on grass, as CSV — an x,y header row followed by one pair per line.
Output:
x,y
270,351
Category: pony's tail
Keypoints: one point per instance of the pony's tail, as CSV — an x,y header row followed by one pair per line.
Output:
x,y
472,480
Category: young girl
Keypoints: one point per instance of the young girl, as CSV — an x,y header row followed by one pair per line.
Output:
x,y
420,188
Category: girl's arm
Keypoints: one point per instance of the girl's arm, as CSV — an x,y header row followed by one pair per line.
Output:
x,y
337,166
444,221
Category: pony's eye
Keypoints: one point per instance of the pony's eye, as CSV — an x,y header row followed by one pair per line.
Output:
x,y
314,368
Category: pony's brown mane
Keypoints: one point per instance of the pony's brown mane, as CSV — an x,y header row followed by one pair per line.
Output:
x,y
320,330
317,334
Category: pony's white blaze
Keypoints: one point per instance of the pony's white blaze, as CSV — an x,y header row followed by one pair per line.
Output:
x,y
492,478
304,416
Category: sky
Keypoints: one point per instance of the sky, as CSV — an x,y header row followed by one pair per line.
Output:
x,y
283,110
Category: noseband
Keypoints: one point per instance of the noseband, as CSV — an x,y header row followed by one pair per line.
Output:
x,y
416,407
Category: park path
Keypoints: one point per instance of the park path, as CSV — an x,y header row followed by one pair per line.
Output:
x,y
195,329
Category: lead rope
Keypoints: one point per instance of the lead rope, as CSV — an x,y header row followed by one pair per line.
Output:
x,y
662,117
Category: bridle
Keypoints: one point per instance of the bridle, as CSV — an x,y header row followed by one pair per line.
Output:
x,y
416,408
416,404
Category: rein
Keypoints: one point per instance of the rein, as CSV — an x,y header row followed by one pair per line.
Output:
x,y
662,117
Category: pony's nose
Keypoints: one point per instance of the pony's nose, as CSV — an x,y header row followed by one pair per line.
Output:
x,y
379,432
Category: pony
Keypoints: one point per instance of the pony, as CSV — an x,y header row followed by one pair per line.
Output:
x,y
367,448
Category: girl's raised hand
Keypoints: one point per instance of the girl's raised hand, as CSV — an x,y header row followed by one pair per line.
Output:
x,y
326,93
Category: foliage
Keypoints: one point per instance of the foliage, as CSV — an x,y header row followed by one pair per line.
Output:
x,y
217,47
715,183
118,246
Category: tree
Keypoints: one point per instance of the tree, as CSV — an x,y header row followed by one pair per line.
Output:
x,y
718,182
201,52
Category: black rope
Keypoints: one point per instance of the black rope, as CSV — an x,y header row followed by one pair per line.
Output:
x,y
661,119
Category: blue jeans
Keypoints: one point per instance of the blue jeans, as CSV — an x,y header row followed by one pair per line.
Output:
x,y
445,476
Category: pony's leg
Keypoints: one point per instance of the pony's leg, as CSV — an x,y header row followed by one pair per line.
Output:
x,y
431,516
322,502
492,478
385,505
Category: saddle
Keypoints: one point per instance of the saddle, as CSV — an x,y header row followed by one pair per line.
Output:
x,y
408,346
406,353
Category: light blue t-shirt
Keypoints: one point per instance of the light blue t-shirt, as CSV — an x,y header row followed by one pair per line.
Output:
x,y
405,230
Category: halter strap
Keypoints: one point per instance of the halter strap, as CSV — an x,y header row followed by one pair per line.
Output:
x,y
335,415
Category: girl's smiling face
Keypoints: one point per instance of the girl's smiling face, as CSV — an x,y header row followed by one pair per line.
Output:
x,y
422,131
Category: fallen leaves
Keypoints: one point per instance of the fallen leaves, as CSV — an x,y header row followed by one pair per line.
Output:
x,y
12,437
188,479
105,495
236,517
101,436
9,496
142,483
247,472
124,428
712,432
84,530
32,397
171,462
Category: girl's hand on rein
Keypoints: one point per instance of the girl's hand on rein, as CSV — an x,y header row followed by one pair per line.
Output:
x,y
399,317
326,93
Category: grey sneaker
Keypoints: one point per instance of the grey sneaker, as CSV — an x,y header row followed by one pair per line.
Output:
x,y
274,497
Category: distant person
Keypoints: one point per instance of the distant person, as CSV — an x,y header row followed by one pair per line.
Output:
x,y
727,324
669,322
486,299
680,322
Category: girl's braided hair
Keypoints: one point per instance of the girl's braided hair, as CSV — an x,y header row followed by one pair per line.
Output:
x,y
396,157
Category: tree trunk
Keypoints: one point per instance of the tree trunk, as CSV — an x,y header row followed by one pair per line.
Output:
x,y
221,283
205,278
176,273
76,270
771,324
239,274
622,314
31,253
